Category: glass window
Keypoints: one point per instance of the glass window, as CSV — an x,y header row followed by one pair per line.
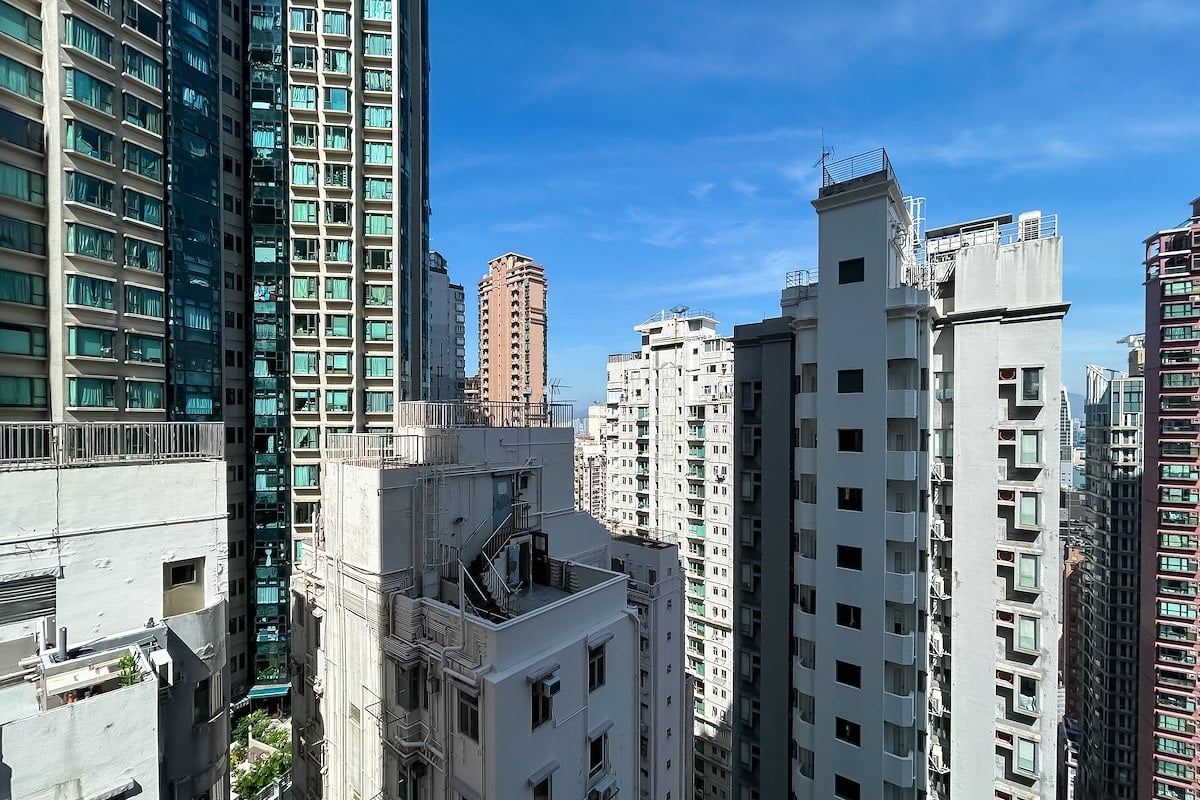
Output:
x,y
146,163
379,295
304,363
304,173
18,392
303,20
377,116
1031,384
468,715
143,348
377,44
306,475
83,290
82,188
143,208
1027,572
339,212
338,175
142,20
378,330
90,342
850,381
377,152
337,325
1030,509
378,259
1031,447
337,289
304,97
304,135
305,250
19,287
1027,757
337,99
336,22
90,141
143,394
851,271
304,288
27,237
337,249
22,340
20,26
337,363
16,77
84,240
337,137
1027,632
378,224
22,184
306,438
336,61
88,90
377,188
91,392
88,38
378,366
337,400
377,80
143,255
141,113
378,402
304,58
144,302
304,400
143,67
377,9
304,211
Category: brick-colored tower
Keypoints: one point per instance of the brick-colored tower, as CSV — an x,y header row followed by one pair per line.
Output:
x,y
512,330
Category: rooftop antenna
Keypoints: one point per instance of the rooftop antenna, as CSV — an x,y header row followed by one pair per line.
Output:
x,y
826,153
554,387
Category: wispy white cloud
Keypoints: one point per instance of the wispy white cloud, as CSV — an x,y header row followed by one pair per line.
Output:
x,y
539,222
744,188
701,190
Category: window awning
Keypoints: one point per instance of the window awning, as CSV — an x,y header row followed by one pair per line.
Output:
x,y
276,690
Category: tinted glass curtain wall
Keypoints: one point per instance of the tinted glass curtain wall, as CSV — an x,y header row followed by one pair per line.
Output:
x,y
193,208
270,357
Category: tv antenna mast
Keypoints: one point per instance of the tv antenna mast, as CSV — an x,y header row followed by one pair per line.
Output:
x,y
826,154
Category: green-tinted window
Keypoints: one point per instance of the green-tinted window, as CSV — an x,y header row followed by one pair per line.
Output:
x,y
337,137
142,301
304,135
306,438
378,330
305,250
89,39
16,77
377,152
90,141
304,97
378,366
336,22
26,237
377,44
377,116
142,20
337,325
379,295
84,240
22,340
143,394
304,173
337,399
338,175
20,26
378,224
143,207
336,61
377,9
378,80
91,392
22,392
146,163
306,475
378,188
89,90
22,184
337,249
304,363
304,288
337,289
337,363
82,188
143,67
143,255
147,349
141,113
378,402
83,290
20,287
304,211
378,259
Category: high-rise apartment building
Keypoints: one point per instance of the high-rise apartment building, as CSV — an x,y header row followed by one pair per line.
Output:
x,y
1167,736
1102,689
921,496
336,249
1066,427
669,448
113,663
459,631
447,333
512,330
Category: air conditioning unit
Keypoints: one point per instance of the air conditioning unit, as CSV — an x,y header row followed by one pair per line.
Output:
x,y
550,686
1029,225
318,687
937,471
433,684
606,789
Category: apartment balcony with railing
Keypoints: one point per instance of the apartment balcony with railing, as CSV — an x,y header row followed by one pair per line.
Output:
x,y
50,445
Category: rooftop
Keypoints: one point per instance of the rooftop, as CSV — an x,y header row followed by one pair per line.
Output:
x,y
49,445
484,414
861,169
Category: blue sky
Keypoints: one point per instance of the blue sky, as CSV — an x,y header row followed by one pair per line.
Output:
x,y
659,153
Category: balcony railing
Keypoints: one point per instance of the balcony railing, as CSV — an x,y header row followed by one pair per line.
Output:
x,y
858,166
41,445
392,449
483,414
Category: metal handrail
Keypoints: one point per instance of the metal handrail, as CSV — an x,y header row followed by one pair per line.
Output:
x,y
40,445
483,414
857,166
391,449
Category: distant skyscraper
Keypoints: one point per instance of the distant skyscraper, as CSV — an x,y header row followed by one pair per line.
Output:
x,y
512,330
447,333
911,455
1102,684
1066,427
669,448
1167,735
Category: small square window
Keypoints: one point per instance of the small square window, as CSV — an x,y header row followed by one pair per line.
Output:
x,y
850,440
848,674
849,616
849,557
182,574
849,498
845,789
850,381
847,731
851,270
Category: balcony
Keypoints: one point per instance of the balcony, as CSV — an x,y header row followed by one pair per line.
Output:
x,y
898,769
899,648
42,445
898,709
900,465
483,414
900,587
900,526
901,403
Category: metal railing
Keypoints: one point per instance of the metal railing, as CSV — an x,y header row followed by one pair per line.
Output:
x,y
679,312
484,414
40,445
858,166
392,449
800,277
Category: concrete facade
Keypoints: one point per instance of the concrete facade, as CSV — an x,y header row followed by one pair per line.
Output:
x,y
512,330
668,448
120,552
457,629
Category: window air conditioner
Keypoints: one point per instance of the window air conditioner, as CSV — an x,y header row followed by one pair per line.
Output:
x,y
549,686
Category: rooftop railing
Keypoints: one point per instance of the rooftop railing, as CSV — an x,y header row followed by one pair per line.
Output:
x,y
43,445
679,312
483,414
858,166
800,277
392,449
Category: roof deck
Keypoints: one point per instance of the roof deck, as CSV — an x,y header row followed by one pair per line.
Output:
x,y
483,414
53,445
